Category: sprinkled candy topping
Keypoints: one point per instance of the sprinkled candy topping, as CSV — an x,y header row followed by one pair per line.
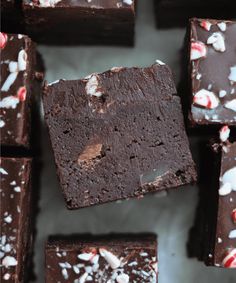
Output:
x,y
232,234
222,26
48,3
230,260
21,93
128,2
198,50
122,278
217,40
224,133
206,99
3,40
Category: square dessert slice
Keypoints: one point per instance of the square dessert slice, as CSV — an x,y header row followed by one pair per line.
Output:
x,y
113,258
19,89
15,219
117,135
212,72
81,21
222,225
176,13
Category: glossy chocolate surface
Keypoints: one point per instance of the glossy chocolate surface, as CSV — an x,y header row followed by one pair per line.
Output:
x,y
212,67
15,217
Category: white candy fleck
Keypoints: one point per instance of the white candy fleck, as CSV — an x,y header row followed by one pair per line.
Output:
x,y
3,171
8,219
232,75
217,40
222,93
224,133
232,234
222,26
231,105
112,260
228,182
9,81
128,2
85,256
160,62
122,278
2,123
17,189
65,274
92,86
6,276
48,3
22,59
83,278
9,102
9,261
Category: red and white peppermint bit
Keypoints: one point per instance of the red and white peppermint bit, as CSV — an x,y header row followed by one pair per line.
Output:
x,y
198,50
233,215
21,93
230,260
206,25
3,40
111,259
206,99
224,133
218,42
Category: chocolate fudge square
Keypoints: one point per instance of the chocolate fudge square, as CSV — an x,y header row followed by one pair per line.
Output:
x,y
20,89
176,13
112,258
80,22
117,135
15,219
212,72
221,250
11,16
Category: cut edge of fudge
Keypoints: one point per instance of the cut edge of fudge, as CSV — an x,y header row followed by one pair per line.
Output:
x,y
115,256
96,100
99,23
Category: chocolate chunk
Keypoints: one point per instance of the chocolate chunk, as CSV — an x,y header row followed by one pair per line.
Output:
x,y
212,72
80,22
19,89
15,220
112,258
117,135
176,13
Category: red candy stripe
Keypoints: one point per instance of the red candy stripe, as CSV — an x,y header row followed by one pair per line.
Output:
x,y
3,40
233,215
230,259
21,93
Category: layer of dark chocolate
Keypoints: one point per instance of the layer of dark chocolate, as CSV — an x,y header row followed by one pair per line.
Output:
x,y
120,258
80,22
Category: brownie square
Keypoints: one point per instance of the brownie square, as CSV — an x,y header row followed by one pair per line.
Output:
x,y
176,13
222,247
112,258
117,135
20,87
212,72
15,219
80,22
